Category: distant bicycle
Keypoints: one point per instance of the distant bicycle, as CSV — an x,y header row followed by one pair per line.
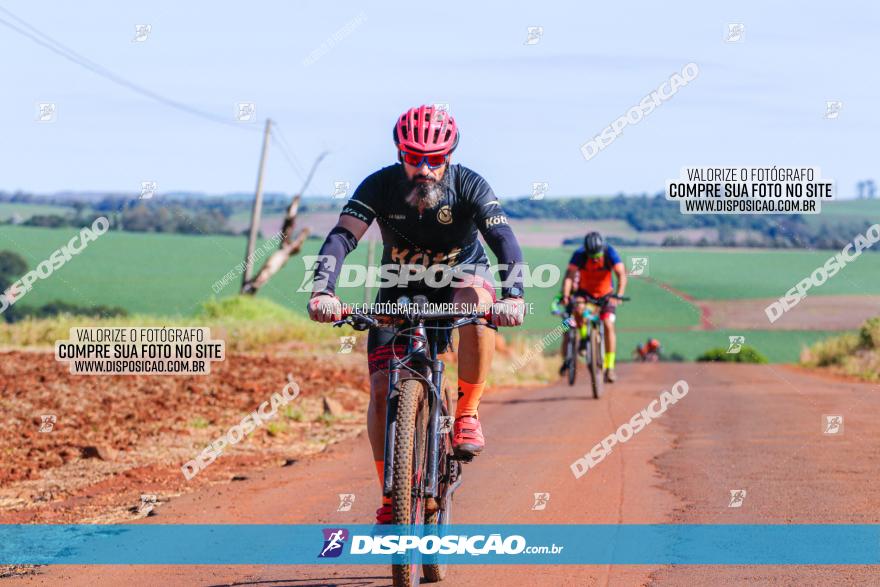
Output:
x,y
648,352
595,339
569,364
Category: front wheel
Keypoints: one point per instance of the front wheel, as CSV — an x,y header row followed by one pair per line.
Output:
x,y
596,361
410,445
572,355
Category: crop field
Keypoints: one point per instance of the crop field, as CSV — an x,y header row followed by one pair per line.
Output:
x,y
735,274
25,211
132,270
841,210
170,275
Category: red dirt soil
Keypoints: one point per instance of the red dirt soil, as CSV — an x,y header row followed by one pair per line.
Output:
x,y
752,427
117,437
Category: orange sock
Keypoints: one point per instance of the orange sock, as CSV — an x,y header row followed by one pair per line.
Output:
x,y
469,395
380,470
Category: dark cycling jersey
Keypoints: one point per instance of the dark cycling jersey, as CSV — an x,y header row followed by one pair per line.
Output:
x,y
446,234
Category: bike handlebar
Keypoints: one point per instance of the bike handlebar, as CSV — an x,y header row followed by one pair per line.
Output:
x,y
557,308
369,319
605,297
418,314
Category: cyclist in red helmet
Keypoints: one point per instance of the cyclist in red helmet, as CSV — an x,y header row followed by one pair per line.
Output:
x,y
650,351
430,211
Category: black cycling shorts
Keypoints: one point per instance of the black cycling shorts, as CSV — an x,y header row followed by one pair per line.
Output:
x,y
381,346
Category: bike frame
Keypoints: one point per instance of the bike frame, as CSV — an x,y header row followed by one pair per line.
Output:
x,y
593,321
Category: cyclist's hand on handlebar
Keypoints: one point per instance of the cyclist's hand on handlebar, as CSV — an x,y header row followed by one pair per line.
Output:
x,y
614,302
325,308
565,300
508,312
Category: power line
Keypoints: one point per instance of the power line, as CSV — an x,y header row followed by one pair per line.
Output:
x,y
286,151
62,50
58,48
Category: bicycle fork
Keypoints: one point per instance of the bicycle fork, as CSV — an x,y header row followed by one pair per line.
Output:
x,y
435,403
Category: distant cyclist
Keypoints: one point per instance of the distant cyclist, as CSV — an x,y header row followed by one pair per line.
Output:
x,y
589,272
649,351
429,212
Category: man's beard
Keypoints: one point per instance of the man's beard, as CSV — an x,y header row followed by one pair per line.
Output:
x,y
424,195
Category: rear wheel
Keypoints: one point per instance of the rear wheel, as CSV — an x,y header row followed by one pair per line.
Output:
x,y
596,361
572,353
410,444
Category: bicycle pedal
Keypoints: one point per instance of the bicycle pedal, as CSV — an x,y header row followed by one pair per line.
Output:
x,y
463,458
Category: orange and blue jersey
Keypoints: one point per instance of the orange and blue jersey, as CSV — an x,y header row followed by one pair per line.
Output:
x,y
594,274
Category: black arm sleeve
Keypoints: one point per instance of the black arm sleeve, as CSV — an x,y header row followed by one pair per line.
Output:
x,y
338,244
503,243
492,224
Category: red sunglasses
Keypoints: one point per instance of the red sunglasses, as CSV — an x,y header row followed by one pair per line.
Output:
x,y
417,159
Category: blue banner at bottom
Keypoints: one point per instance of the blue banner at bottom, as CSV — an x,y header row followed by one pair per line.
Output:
x,y
525,544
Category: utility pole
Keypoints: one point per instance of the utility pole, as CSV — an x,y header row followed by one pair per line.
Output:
x,y
257,210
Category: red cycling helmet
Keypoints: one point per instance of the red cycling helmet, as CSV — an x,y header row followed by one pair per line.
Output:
x,y
426,129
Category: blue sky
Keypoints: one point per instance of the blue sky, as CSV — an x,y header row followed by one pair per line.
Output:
x,y
524,109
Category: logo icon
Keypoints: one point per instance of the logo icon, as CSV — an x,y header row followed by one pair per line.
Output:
x,y
441,111
534,35
141,32
638,266
446,423
737,497
346,344
539,190
444,215
346,500
148,189
735,32
246,112
47,422
47,112
148,502
340,189
541,500
832,109
736,344
832,424
334,540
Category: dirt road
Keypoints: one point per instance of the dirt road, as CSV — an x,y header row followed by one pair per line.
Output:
x,y
749,427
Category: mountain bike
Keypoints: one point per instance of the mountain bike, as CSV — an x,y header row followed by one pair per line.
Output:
x,y
595,341
652,356
571,346
421,470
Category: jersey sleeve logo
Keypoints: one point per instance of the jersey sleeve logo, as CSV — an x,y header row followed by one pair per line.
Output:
x,y
356,213
444,215
496,220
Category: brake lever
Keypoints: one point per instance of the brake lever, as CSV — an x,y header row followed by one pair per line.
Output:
x,y
359,323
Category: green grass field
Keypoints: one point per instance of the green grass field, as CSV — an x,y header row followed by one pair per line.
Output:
x,y
25,211
738,274
163,274
841,210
